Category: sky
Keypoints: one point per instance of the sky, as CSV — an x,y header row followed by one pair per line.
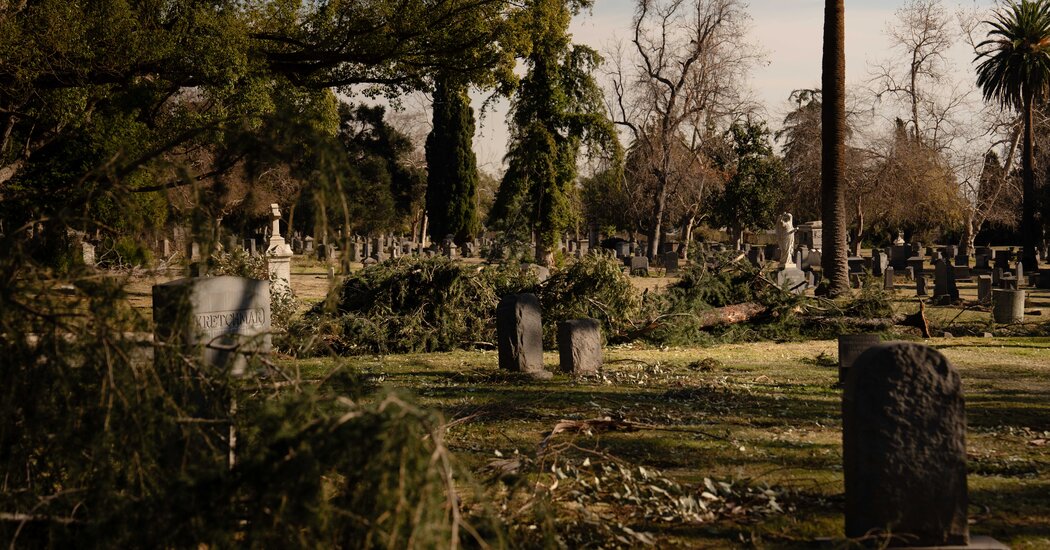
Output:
x,y
789,31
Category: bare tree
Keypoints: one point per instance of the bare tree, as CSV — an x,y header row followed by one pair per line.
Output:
x,y
688,60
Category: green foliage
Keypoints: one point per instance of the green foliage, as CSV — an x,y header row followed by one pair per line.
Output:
x,y
103,448
413,304
557,110
751,195
592,287
452,171
434,304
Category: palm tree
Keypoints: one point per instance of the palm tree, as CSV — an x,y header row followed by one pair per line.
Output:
x,y
833,149
1015,72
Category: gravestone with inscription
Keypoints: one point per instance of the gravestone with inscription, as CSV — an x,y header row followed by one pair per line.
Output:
x,y
904,448
221,320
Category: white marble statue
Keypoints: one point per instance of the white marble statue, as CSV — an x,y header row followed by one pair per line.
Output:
x,y
785,232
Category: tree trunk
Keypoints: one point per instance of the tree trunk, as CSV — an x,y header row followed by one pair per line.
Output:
x,y
968,236
1028,227
833,149
688,237
858,232
657,226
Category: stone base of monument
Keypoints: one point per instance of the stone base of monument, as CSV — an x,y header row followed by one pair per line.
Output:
x,y
792,278
976,543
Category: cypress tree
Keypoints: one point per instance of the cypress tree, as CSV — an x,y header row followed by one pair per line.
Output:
x,y
556,111
452,171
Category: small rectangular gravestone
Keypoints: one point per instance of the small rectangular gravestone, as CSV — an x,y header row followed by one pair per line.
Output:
x,y
984,290
850,347
888,283
580,346
640,266
920,286
519,335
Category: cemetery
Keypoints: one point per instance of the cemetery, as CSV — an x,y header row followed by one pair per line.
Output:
x,y
258,288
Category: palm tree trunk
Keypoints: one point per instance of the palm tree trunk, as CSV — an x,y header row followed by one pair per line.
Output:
x,y
1028,227
833,148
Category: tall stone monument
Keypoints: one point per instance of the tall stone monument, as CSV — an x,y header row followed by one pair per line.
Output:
x,y
278,253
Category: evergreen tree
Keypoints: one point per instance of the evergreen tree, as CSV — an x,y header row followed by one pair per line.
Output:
x,y
452,178
557,110
750,197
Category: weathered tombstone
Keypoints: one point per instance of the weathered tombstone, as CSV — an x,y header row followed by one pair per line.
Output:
x,y
623,249
580,346
1002,260
888,279
1043,280
222,320
193,251
980,261
879,262
756,256
1008,305
640,266
917,265
1008,282
308,245
850,347
984,289
940,281
87,253
909,274
856,264
899,256
904,447
961,272
1020,274
670,260
278,253
519,335
920,286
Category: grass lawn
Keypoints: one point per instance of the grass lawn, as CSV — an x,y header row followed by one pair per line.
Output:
x,y
751,415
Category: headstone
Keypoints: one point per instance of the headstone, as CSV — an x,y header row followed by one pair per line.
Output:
x,y
193,251
87,253
1002,260
917,265
308,244
580,346
904,447
222,320
856,264
1008,305
850,348
940,281
622,249
1020,274
980,261
1008,282
1043,281
278,253
888,283
962,260
756,256
920,286
519,335
984,290
899,256
670,260
640,266
879,262
962,272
